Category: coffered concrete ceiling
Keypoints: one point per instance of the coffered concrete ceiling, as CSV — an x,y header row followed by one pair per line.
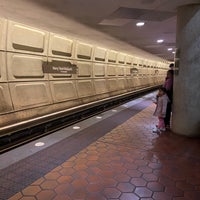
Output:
x,y
109,23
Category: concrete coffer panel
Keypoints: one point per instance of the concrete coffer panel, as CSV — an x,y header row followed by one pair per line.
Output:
x,y
129,60
127,71
60,46
25,39
121,58
5,100
111,70
112,56
84,69
112,84
83,51
100,86
121,83
130,82
63,90
3,27
100,54
24,67
3,76
99,70
85,88
120,71
31,94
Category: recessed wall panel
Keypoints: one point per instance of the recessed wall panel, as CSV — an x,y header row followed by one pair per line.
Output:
x,y
135,61
99,69
130,82
140,71
24,67
84,69
111,70
120,71
63,90
129,60
83,51
148,71
121,84
3,26
22,38
5,100
60,46
112,56
100,86
128,71
100,54
121,58
112,84
136,82
141,82
85,88
3,77
32,94
143,71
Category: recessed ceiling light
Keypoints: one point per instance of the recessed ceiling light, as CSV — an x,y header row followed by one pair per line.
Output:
x,y
173,52
160,41
169,49
140,24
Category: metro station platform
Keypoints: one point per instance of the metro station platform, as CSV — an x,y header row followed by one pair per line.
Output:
x,y
114,155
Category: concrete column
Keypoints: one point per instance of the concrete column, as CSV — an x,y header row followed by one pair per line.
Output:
x,y
186,104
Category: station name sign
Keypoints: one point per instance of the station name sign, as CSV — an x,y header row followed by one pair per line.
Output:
x,y
134,70
60,67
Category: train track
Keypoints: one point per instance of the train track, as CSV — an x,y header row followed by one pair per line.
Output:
x,y
20,137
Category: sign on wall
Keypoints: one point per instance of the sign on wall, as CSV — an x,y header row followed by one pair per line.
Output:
x,y
134,71
60,67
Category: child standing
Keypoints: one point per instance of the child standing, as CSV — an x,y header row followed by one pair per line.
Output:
x,y
160,111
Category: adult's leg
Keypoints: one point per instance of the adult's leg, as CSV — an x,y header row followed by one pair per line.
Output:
x,y
168,114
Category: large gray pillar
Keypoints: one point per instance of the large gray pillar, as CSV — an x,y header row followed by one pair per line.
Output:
x,y
186,104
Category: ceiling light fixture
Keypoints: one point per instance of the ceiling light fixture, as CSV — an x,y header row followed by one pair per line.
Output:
x,y
173,52
169,49
160,41
140,24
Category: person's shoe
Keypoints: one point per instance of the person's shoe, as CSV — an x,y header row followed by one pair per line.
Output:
x,y
162,129
157,130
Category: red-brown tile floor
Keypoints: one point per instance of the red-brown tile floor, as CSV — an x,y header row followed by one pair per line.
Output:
x,y
128,163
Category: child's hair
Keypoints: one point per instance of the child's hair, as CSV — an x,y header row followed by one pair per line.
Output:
x,y
163,89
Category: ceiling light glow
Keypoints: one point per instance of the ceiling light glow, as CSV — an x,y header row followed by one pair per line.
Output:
x,y
160,41
140,24
169,49
173,52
